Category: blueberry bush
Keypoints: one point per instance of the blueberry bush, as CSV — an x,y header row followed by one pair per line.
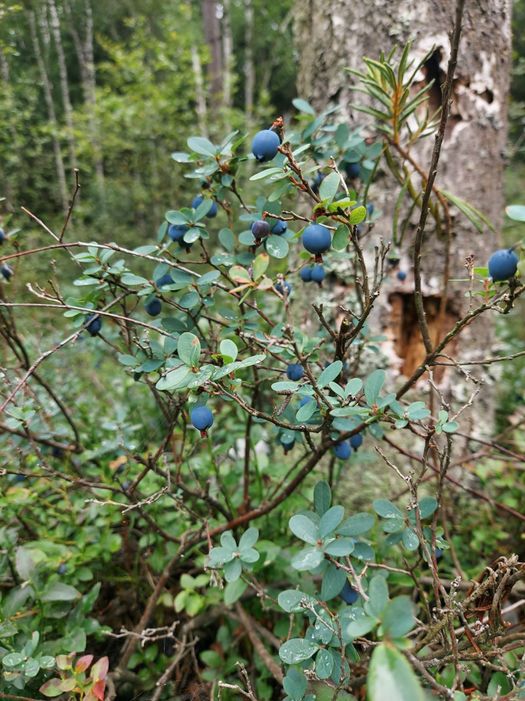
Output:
x,y
186,430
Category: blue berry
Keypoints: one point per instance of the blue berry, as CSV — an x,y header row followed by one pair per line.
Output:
x,y
2,236
317,238
318,274
176,231
353,170
265,144
319,177
348,594
283,288
305,400
343,450
287,443
401,275
213,209
164,280
201,418
94,324
438,552
279,227
62,569
370,209
294,372
306,274
6,271
260,229
503,264
153,307
356,441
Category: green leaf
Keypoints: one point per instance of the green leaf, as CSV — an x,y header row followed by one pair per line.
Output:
x,y
131,279
398,617
329,186
341,238
477,218
358,215
340,547
201,145
267,172
60,592
307,559
450,427
232,570
174,379
229,349
391,677
333,581
234,590
306,411
427,506
189,349
410,539
516,212
324,664
303,106
277,246
239,274
248,538
13,659
330,373
373,385
353,387
378,596
295,684
290,599
208,278
386,509
260,265
304,528
322,497
297,650
361,625
227,239
286,386
357,524
330,520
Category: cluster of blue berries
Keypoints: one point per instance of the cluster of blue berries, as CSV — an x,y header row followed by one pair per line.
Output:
x,y
343,449
312,273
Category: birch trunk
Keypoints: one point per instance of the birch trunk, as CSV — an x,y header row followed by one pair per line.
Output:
x,y
48,96
64,82
334,34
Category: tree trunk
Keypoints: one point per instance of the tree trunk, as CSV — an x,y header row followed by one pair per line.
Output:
x,y
227,52
64,83
249,68
48,96
86,61
200,97
334,34
212,34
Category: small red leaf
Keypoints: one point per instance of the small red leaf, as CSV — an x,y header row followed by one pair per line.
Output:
x,y
98,689
100,669
83,663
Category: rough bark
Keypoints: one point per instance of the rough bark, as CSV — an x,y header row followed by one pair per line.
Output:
x,y
48,96
334,34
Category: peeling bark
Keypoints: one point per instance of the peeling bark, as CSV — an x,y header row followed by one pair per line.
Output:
x,y
334,34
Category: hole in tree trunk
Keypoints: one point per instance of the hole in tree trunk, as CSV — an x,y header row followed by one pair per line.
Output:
x,y
434,72
408,343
